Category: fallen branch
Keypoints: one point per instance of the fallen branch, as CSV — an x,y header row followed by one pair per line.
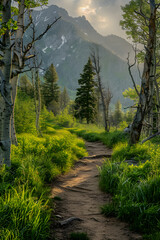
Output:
x,y
98,156
69,220
150,137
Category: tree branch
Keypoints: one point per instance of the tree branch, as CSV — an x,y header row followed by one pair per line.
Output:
x,y
29,45
150,137
130,73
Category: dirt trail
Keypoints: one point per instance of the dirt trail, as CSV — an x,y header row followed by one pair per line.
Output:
x,y
81,198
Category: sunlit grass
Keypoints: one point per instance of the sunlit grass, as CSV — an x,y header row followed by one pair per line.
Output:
x,y
109,139
35,161
22,216
135,188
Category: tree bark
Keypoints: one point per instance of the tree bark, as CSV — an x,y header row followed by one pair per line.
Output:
x,y
103,103
96,65
14,94
17,63
38,112
148,78
37,97
5,98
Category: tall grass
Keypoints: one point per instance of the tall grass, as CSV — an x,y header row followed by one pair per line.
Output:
x,y
22,216
93,134
24,212
42,159
135,188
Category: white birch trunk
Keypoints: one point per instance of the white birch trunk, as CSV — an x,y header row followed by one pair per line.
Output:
x,y
17,63
5,97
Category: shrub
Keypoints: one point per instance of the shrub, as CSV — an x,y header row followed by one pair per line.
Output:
x,y
25,116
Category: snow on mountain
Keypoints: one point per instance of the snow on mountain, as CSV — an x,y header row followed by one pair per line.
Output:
x,y
67,45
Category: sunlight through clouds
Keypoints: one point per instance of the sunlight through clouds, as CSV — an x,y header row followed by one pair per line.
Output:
x,y
86,8
104,15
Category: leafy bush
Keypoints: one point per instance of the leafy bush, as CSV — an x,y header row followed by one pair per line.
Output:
x,y
46,119
64,119
25,116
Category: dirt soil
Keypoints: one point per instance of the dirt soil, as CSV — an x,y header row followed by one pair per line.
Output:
x,y
81,201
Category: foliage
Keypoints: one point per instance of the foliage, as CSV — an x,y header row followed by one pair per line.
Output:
x,y
46,118
92,133
26,86
134,23
135,188
50,89
24,212
25,116
64,119
131,94
123,151
85,102
118,114
59,152
129,116
64,99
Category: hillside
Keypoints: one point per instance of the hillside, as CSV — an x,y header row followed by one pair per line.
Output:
x,y
67,45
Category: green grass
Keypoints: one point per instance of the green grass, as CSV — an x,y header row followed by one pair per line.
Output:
x,y
36,161
135,188
42,159
22,216
93,134
123,151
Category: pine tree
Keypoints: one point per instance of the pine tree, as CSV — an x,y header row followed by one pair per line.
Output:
x,y
64,99
85,102
118,114
26,86
50,88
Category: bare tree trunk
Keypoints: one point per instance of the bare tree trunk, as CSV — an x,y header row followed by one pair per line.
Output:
x,y
148,77
103,104
37,97
108,97
5,98
38,112
96,65
17,63
14,81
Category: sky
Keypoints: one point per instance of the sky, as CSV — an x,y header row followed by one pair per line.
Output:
x,y
104,15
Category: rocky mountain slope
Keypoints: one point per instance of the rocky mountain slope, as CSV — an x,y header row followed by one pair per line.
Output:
x,y
67,45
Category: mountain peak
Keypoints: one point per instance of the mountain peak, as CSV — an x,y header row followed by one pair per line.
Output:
x,y
67,45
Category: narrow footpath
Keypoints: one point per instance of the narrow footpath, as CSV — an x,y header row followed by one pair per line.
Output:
x,y
81,200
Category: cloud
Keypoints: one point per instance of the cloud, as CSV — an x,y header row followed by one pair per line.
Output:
x,y
104,15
